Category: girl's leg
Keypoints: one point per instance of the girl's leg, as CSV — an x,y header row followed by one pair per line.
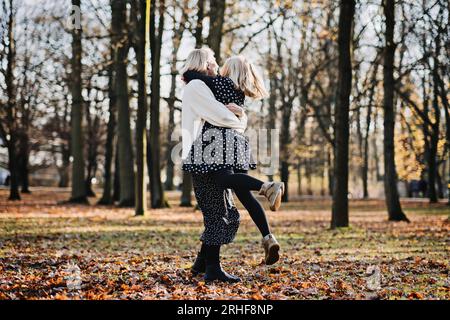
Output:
x,y
255,210
273,191
227,179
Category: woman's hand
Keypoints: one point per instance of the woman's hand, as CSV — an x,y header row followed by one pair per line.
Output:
x,y
237,110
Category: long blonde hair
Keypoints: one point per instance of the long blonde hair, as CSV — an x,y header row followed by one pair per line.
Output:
x,y
245,77
198,60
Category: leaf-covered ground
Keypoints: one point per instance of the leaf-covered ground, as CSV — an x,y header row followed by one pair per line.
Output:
x,y
52,251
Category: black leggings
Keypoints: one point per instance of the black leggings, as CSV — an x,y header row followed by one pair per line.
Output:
x,y
242,185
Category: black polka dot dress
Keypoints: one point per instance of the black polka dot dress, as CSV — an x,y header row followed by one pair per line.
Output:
x,y
220,216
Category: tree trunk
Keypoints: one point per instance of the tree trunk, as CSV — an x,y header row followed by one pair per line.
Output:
x,y
120,40
330,170
141,121
216,19
107,198
432,166
284,175
77,152
24,155
178,31
199,26
440,186
299,178
390,174
11,141
340,185
156,187
116,185
376,157
186,192
91,147
365,166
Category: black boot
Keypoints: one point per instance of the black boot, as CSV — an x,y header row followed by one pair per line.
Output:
x,y
199,265
215,272
213,269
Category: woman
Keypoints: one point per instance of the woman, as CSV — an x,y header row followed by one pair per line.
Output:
x,y
212,178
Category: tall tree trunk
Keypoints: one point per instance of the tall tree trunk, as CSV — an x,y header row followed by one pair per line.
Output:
x,y
178,31
340,185
390,174
91,147
24,156
186,191
109,147
299,177
78,174
11,91
120,38
365,166
116,184
199,25
141,122
376,156
156,187
272,108
330,169
216,19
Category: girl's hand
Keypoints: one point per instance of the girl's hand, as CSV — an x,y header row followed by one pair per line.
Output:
x,y
237,110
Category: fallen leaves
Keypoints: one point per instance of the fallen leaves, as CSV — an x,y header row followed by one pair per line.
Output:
x,y
49,251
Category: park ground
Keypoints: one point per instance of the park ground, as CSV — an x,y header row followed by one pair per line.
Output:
x,y
54,251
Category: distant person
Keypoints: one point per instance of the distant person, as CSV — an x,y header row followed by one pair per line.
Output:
x,y
423,186
414,188
7,180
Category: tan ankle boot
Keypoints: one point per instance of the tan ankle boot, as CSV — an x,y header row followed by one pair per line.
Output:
x,y
271,248
273,191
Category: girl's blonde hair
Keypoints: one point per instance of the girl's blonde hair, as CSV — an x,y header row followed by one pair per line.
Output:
x,y
198,60
245,77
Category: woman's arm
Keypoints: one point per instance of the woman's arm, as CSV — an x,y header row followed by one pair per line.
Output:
x,y
203,103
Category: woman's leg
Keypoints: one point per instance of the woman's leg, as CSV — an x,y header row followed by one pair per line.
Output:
x,y
213,269
200,262
273,191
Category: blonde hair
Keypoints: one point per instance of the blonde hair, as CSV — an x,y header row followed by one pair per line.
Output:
x,y
198,60
245,77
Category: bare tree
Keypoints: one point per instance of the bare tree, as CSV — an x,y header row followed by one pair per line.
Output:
x,y
340,184
141,16
390,174
154,147
78,174
125,151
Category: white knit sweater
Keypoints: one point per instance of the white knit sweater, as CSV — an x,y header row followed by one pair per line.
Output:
x,y
199,105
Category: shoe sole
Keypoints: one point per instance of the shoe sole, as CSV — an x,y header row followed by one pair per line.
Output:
x,y
273,255
277,203
220,280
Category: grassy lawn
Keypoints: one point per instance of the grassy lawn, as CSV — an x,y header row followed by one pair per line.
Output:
x,y
115,255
